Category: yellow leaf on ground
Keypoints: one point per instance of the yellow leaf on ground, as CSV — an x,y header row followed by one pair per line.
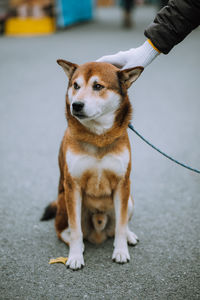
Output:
x,y
58,260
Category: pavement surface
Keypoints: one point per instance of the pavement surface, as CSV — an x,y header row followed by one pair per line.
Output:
x,y
165,264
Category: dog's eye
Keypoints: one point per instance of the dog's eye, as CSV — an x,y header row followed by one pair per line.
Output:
x,y
97,87
76,86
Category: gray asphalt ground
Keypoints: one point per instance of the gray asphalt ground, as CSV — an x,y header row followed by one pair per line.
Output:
x,y
165,264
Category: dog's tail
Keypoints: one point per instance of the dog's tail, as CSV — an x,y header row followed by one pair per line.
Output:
x,y
49,212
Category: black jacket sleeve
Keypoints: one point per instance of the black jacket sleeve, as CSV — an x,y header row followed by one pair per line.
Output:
x,y
173,23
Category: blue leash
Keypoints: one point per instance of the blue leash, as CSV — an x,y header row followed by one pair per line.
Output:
x,y
169,157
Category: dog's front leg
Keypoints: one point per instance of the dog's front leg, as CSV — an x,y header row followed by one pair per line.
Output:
x,y
74,202
121,196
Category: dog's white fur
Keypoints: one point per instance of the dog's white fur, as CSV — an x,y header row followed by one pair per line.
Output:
x,y
116,163
100,116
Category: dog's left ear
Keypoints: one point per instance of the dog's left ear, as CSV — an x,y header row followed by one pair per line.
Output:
x,y
128,76
68,67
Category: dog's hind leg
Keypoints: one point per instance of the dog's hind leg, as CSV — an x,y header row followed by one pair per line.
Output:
x,y
61,220
65,236
130,207
132,238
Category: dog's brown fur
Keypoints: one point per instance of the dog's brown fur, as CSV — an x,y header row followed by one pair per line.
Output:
x,y
114,140
95,201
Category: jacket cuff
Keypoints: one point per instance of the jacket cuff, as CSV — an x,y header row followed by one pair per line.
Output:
x,y
152,45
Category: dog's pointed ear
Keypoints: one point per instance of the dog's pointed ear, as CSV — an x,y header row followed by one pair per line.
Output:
x,y
128,76
67,66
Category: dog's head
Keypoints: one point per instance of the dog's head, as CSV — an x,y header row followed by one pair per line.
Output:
x,y
96,90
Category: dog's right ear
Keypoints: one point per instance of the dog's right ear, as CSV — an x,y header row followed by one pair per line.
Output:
x,y
128,76
68,67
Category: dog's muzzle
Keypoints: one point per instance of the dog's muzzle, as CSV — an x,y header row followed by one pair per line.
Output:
x,y
77,109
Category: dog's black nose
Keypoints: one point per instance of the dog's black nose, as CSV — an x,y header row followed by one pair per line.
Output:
x,y
99,221
77,106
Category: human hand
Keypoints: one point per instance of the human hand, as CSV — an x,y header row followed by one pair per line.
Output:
x,y
141,56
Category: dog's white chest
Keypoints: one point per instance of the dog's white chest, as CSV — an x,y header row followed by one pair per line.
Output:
x,y
78,164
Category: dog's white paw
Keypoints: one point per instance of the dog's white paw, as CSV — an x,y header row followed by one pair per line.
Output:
x,y
132,238
75,262
121,255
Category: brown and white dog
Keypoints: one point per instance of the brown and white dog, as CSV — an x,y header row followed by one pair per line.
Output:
x,y
94,199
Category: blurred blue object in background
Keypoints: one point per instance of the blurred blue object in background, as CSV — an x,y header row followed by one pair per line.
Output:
x,y
70,11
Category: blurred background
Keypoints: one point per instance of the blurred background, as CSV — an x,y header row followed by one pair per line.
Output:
x,y
18,17
166,102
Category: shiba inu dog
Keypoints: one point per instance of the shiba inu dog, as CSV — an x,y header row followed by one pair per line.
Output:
x,y
94,199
